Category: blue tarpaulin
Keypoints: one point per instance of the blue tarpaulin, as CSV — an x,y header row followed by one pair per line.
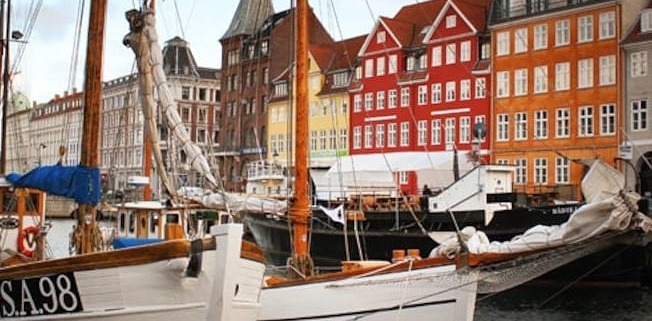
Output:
x,y
81,183
123,242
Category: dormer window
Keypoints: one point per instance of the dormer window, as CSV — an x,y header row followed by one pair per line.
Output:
x,y
423,61
451,21
410,63
264,47
646,20
281,89
381,37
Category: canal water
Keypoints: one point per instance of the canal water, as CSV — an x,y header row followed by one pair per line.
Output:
x,y
531,302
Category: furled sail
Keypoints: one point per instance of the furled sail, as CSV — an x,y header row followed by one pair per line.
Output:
x,y
221,199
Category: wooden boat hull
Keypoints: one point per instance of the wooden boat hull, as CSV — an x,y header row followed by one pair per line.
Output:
x,y
430,293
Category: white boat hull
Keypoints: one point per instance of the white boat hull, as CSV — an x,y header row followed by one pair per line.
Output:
x,y
429,294
156,291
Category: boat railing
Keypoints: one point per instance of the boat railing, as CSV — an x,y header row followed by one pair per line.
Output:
x,y
265,170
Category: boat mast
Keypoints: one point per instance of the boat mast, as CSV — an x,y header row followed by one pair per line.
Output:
x,y
92,98
4,53
299,211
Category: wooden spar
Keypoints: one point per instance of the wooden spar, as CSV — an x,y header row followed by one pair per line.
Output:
x,y
92,99
299,211
4,53
147,152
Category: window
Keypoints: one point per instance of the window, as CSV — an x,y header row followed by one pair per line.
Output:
x,y
541,171
503,127
585,121
502,45
521,171
380,100
422,95
638,64
357,103
465,129
520,129
403,177
410,63
646,20
607,70
562,76
450,91
380,135
405,134
357,137
480,88
423,61
562,32
380,66
451,53
540,79
465,51
607,25
343,139
368,136
520,82
435,132
450,133
540,36
392,98
368,101
465,89
451,21
322,140
369,68
540,124
393,64
436,56
562,170
436,93
607,119
391,135
503,84
185,92
520,40
405,96
562,123
639,115
585,29
422,132
381,37
585,73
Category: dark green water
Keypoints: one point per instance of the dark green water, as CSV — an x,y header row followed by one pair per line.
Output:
x,y
582,303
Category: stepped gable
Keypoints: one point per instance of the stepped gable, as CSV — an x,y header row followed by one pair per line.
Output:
x,y
248,17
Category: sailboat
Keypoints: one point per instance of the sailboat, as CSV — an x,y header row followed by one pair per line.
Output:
x,y
445,285
215,278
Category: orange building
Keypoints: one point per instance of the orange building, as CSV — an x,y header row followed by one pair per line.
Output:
x,y
556,93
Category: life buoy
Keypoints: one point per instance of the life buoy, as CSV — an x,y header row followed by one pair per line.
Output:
x,y
27,240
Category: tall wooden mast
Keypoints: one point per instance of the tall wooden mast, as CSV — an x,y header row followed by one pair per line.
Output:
x,y
299,211
92,99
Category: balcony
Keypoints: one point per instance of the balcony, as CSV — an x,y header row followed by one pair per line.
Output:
x,y
510,10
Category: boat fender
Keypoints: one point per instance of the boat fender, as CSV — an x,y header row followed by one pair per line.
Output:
x,y
27,240
194,264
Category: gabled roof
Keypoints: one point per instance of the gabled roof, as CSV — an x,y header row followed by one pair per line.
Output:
x,y
322,55
345,52
420,15
636,35
472,12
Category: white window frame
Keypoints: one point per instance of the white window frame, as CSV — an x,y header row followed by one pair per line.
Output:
x,y
541,124
502,84
422,132
435,132
380,100
607,70
465,129
392,98
541,79
562,122
435,93
380,66
607,25
502,127
520,40
562,32
451,53
380,135
435,59
502,43
540,36
450,133
405,96
422,95
368,136
480,87
607,119
369,68
520,82
520,126
450,91
465,51
639,115
562,170
405,134
585,122
638,64
520,173
585,73
541,171
562,76
392,65
585,29
391,135
357,137
465,89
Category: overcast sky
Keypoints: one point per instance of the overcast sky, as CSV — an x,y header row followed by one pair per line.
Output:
x,y
45,67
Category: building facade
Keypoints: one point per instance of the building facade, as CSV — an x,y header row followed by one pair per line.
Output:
x,y
421,87
637,48
556,89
